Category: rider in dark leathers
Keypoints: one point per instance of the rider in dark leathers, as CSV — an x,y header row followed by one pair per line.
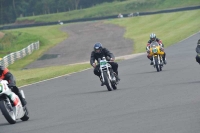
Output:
x,y
198,52
100,52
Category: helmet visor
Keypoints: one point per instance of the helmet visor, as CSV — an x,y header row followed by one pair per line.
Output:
x,y
97,50
153,39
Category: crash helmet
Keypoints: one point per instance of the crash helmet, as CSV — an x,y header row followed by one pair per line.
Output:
x,y
97,47
152,37
198,42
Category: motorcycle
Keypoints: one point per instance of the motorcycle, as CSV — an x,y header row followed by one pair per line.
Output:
x,y
108,76
156,53
10,104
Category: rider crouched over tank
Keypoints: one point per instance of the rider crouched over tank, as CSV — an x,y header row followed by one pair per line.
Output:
x,y
154,38
198,52
100,52
5,74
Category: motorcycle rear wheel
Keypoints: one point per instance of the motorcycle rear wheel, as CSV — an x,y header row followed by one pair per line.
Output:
x,y
26,115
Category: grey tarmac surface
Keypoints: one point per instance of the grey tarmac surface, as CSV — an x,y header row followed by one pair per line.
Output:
x,y
78,46
146,101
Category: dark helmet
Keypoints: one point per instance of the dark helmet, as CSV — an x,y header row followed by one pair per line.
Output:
x,y
152,37
198,58
97,47
198,42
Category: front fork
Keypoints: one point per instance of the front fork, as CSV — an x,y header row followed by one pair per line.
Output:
x,y
160,60
108,72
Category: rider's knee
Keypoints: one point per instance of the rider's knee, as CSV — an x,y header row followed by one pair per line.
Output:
x,y
96,72
198,59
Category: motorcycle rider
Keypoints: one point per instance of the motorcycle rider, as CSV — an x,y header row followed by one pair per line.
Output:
x,y
154,38
5,74
198,52
100,52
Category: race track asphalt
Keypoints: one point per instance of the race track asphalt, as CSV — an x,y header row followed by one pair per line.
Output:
x,y
78,46
146,101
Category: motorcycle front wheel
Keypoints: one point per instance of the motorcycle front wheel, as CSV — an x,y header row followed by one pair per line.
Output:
x,y
8,114
107,81
156,63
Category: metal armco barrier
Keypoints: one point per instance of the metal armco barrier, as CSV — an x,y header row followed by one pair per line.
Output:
x,y
12,57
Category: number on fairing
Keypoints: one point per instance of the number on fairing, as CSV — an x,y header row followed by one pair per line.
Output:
x,y
103,63
155,50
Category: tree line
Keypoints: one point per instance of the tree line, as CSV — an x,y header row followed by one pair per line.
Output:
x,y
12,9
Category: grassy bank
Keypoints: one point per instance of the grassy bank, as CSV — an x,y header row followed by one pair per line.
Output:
x,y
48,36
170,27
29,76
114,8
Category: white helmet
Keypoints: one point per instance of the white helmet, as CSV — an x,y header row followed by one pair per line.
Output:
x,y
152,36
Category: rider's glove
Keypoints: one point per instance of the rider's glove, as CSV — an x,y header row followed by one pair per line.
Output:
x,y
111,59
94,65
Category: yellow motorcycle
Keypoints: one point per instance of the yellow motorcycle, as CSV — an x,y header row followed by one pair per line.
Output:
x,y
156,52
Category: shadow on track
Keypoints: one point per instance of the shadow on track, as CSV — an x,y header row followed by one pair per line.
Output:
x,y
4,124
93,92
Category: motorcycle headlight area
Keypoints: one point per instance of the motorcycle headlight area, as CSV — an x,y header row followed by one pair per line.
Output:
x,y
102,63
154,50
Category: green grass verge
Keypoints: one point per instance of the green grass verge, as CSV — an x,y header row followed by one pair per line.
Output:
x,y
169,27
29,76
114,8
48,36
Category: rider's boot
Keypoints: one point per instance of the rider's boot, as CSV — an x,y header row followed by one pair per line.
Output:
x,y
117,77
102,83
151,61
165,62
164,59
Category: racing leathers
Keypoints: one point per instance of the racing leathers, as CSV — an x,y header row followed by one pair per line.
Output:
x,y
162,48
198,52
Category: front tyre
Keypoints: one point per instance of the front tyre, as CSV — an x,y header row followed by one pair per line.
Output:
x,y
8,114
156,63
161,64
107,81
113,83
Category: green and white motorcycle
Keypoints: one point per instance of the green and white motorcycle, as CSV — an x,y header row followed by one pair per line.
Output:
x,y
108,76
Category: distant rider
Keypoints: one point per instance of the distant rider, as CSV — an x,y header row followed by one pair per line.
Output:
x,y
154,38
5,74
198,51
100,52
